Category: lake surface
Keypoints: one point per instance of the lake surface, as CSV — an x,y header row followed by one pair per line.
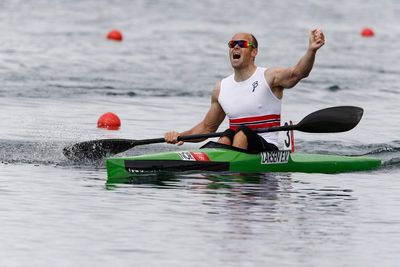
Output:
x,y
59,74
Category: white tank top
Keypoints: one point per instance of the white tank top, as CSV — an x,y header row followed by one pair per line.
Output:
x,y
251,103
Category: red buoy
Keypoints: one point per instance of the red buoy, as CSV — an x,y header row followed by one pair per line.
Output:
x,y
367,32
115,35
109,121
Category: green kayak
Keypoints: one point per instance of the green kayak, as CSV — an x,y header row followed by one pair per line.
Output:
x,y
215,157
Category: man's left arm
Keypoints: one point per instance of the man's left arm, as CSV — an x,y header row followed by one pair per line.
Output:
x,y
281,78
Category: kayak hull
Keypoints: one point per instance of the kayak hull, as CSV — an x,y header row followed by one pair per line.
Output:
x,y
228,160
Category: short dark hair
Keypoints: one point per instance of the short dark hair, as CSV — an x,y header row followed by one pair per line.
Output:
x,y
255,42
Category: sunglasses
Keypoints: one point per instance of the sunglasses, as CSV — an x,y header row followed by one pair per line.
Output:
x,y
241,43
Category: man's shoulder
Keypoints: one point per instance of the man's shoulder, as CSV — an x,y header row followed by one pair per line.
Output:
x,y
270,73
271,70
215,91
217,85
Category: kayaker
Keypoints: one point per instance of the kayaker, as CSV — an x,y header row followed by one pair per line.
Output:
x,y
251,96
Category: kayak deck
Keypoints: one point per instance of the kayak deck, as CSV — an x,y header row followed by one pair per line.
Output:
x,y
233,160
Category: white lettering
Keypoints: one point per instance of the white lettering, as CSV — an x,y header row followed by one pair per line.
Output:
x,y
186,156
130,170
272,157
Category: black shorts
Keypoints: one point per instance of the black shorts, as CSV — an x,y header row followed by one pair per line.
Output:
x,y
255,142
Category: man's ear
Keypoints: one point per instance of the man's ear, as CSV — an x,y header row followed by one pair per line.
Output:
x,y
254,52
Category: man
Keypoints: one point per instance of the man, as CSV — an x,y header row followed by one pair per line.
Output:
x,y
251,96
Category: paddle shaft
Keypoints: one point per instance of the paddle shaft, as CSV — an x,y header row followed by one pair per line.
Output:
x,y
329,120
211,135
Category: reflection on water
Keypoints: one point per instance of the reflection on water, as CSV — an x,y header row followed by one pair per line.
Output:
x,y
249,188
279,211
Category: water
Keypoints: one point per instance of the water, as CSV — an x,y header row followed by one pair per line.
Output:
x,y
59,74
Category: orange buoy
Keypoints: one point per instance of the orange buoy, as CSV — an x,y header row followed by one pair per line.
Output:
x,y
367,32
109,121
115,35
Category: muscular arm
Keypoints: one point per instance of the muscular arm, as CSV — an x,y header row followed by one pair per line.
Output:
x,y
281,78
213,119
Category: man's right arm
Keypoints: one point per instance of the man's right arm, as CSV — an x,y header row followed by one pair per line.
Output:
x,y
213,119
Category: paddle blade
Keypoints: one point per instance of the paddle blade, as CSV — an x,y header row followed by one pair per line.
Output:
x,y
97,149
331,120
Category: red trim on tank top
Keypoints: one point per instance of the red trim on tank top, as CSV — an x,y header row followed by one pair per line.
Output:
x,y
256,122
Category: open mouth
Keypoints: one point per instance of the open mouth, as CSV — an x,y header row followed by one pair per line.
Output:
x,y
236,56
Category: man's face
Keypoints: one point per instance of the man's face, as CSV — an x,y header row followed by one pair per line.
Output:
x,y
241,57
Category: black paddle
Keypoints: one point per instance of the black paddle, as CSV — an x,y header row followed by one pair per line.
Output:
x,y
329,120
